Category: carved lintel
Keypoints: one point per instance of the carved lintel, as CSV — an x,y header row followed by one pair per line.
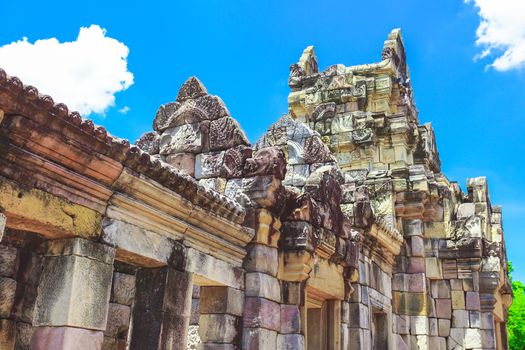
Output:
x,y
294,266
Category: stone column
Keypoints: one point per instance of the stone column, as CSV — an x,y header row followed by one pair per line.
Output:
x,y
73,295
290,336
161,313
410,290
8,285
220,317
262,309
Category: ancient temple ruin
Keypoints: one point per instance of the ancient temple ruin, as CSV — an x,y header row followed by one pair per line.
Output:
x,y
335,230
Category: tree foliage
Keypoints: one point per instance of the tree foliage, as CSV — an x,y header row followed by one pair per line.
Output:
x,y
516,322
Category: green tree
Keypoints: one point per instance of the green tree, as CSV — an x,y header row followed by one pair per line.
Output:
x,y
516,323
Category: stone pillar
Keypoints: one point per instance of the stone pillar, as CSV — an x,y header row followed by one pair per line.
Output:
x,y
290,336
73,295
162,308
220,317
410,290
345,325
8,285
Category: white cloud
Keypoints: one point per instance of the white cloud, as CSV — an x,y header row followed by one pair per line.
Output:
x,y
502,32
124,110
84,74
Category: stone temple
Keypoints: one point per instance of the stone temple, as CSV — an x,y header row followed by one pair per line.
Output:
x,y
335,230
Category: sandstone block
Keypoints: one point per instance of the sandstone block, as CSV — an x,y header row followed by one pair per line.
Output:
x,y
416,265
487,320
73,291
402,324
7,296
419,325
433,268
118,321
460,319
433,327
440,289
413,228
415,304
159,330
290,342
474,319
123,288
7,334
263,285
345,312
65,338
7,260
417,246
24,333
359,316
80,247
261,258
259,339
226,133
186,138
2,225
195,312
290,319
443,327
444,308
140,243
472,301
487,339
182,161
291,292
260,312
221,300
218,328
473,338
458,299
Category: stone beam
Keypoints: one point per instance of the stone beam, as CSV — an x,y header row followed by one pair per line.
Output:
x,y
38,211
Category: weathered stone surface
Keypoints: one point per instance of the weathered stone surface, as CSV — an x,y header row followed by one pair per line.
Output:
x,y
62,338
290,342
221,300
182,161
118,321
138,243
149,142
7,334
123,288
259,338
290,319
266,161
74,290
7,260
191,89
263,285
186,138
261,258
260,312
226,133
218,328
7,296
24,333
162,309
443,308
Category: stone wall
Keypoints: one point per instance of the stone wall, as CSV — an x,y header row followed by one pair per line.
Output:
x,y
335,230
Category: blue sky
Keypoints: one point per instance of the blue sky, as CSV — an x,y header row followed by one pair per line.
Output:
x,y
242,50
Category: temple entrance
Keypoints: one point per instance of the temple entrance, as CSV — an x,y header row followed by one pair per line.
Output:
x,y
322,324
379,330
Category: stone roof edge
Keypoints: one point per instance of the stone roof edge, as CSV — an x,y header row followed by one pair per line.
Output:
x,y
121,150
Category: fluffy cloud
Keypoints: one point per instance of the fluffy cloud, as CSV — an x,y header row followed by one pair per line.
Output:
x,y
84,74
502,32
